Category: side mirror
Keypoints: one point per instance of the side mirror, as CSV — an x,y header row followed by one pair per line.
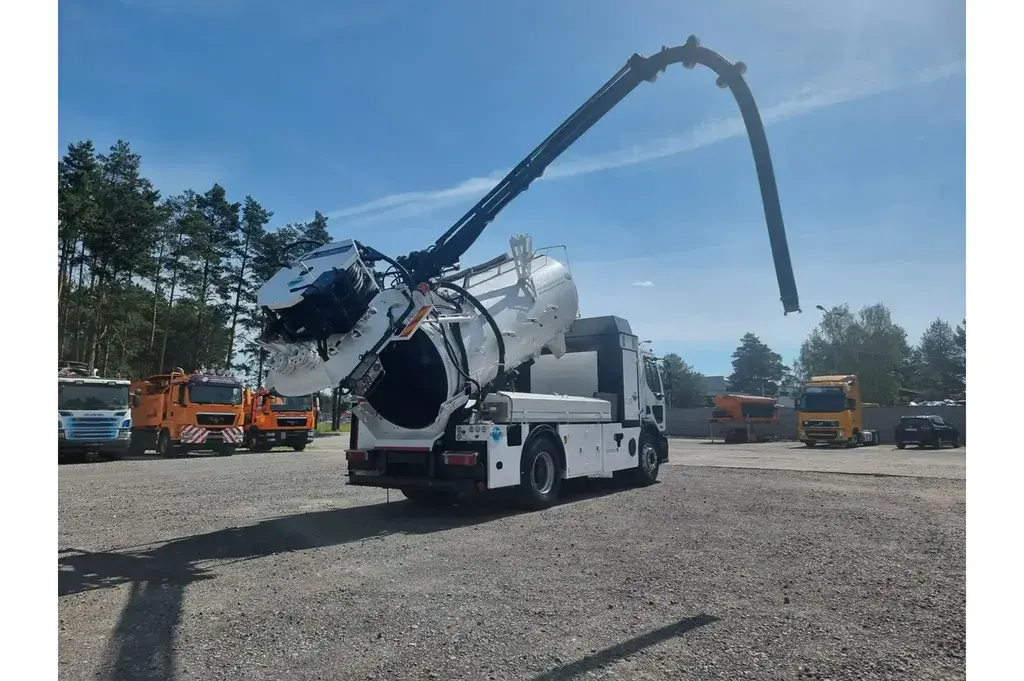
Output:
x,y
659,396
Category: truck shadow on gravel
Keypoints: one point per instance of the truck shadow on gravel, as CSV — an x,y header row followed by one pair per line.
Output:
x,y
620,651
142,647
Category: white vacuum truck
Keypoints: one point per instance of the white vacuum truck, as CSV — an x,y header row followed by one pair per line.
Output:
x,y
486,377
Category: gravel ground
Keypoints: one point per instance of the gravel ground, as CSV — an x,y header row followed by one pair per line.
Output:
x,y
266,566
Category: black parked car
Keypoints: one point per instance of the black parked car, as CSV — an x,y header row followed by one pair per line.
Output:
x,y
926,430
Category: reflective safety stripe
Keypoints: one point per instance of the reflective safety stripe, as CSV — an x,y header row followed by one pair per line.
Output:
x,y
414,323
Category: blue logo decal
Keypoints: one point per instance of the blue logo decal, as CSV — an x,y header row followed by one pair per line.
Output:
x,y
496,434
295,281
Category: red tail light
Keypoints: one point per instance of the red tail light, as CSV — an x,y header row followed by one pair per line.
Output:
x,y
356,455
460,458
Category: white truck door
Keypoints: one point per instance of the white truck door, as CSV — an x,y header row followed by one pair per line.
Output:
x,y
630,385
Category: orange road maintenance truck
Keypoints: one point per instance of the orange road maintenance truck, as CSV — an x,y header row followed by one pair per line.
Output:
x,y
744,418
273,420
830,410
177,413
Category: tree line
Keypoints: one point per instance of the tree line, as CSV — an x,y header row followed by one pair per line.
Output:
x,y
867,343
147,282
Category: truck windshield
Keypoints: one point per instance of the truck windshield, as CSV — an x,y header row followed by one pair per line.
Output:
x,y
819,399
215,394
652,376
291,404
71,396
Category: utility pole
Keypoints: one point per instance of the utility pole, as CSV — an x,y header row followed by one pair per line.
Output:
x,y
834,342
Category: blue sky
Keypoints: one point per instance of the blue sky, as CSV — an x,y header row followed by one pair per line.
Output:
x,y
394,116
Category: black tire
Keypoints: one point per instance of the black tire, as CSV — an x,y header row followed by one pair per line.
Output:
x,y
956,442
299,447
937,443
901,445
166,448
647,464
540,475
428,497
810,443
855,440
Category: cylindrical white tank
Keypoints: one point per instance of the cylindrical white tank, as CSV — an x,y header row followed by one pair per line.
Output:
x,y
420,375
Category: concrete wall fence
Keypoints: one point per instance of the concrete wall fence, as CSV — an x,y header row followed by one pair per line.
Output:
x,y
694,422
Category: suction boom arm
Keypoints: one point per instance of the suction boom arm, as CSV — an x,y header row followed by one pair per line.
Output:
x,y
453,244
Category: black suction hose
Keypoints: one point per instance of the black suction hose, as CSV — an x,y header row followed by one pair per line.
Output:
x,y
490,321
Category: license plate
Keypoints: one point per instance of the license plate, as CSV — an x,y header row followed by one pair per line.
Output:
x,y
280,436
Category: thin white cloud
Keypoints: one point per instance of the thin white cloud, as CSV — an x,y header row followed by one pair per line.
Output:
x,y
644,284
806,101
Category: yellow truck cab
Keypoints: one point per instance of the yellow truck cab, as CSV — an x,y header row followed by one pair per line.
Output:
x,y
830,410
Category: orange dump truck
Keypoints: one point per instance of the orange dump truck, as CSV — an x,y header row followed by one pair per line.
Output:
x,y
744,418
274,421
177,413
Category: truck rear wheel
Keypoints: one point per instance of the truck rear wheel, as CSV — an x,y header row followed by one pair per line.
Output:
x,y
540,479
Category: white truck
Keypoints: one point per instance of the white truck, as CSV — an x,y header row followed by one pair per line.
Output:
x,y
487,377
93,413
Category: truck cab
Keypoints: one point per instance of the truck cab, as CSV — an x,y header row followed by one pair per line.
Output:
x,y
274,421
93,413
830,411
654,388
176,413
605,360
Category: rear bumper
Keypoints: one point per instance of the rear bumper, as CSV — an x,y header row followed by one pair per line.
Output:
x,y
79,446
915,439
368,479
284,437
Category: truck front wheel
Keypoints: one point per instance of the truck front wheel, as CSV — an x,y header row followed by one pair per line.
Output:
x,y
647,465
165,447
539,477
299,447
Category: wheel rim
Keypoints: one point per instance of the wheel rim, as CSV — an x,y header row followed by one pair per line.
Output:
x,y
543,473
649,457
